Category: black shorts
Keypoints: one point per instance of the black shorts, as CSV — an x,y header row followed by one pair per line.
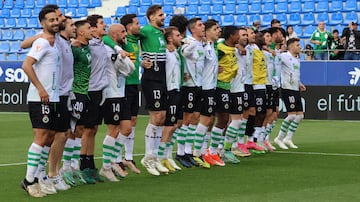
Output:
x,y
249,97
236,103
222,100
207,102
269,97
115,110
173,104
276,98
93,115
79,105
154,93
43,115
260,101
292,100
62,123
132,99
191,99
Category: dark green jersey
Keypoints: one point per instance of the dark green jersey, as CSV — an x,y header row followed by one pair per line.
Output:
x,y
82,69
132,47
153,47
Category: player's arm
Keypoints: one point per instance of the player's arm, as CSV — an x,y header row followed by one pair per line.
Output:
x,y
28,69
27,43
302,87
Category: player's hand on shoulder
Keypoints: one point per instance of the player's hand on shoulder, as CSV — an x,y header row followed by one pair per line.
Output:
x,y
146,63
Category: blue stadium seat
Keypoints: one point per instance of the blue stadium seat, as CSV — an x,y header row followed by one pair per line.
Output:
x,y
33,23
309,6
8,4
246,1
52,1
167,21
350,5
217,9
10,23
22,56
40,3
308,19
146,2
202,2
0,35
243,8
4,47
268,7
295,6
120,11
73,12
8,35
298,30
336,18
82,12
302,44
204,9
282,7
1,4
350,17
15,13
336,6
230,1
192,9
169,2
3,57
255,1
282,18
324,17
19,4
30,33
73,3
132,10
29,4
168,10
217,18
340,28
84,3
218,1
135,2
15,47
294,19
253,18
229,9
142,20
96,3
36,12
322,6
308,31
5,13
228,20
204,18
107,21
12,57
266,19
26,13
255,8
62,3
159,2
22,23
241,20
19,35
142,10
2,22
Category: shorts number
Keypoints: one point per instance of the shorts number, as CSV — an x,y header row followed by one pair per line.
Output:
x,y
239,100
225,97
45,109
78,106
172,109
116,107
157,94
259,101
246,96
191,97
291,99
211,101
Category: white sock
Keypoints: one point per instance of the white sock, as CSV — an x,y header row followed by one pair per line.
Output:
x,y
108,151
119,144
76,154
68,153
33,158
150,135
41,170
129,145
181,138
190,138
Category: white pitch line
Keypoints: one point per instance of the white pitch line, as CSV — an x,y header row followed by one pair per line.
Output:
x,y
281,152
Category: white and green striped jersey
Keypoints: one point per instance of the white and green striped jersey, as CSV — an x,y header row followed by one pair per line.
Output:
x,y
290,71
210,71
238,83
173,70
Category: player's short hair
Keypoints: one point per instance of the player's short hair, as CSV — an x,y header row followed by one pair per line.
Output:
x,y
264,31
152,10
192,22
169,32
273,30
93,19
291,41
229,30
80,23
210,23
179,21
45,11
127,19
53,6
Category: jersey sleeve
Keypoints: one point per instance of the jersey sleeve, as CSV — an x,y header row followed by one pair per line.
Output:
x,y
39,49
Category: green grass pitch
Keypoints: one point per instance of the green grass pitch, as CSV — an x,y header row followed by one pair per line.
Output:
x,y
326,167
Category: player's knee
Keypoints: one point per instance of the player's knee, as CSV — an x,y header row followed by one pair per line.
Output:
x,y
291,117
299,117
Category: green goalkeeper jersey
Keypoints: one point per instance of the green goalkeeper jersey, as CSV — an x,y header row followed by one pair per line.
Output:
x,y
82,69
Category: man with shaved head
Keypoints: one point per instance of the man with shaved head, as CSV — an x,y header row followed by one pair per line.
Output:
x,y
116,116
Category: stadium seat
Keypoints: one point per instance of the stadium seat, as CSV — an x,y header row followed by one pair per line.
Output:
x,y
350,17
202,2
132,10
134,2
159,2
340,28
40,3
170,2
192,9
26,13
29,4
294,19
19,35
73,12
10,23
30,33
204,9
22,56
217,18
228,20
295,7
146,2
322,6
73,4
107,21
12,57
8,35
3,57
19,4
167,21
0,35
52,1
336,5
218,1
336,18
204,18
268,7
142,20
5,13
8,4
253,18
84,3
15,47
168,10
255,1
36,12
350,5
22,23
120,11
255,8
229,9
298,30
4,47
62,3
308,31
282,7
241,20
15,13
308,19
243,8
282,18
266,19
309,6
142,10
82,12
217,9
96,3
246,1
322,17
33,23
180,2
302,44
2,22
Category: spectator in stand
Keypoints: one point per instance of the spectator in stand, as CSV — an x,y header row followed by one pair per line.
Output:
x,y
256,26
290,33
336,45
275,23
320,39
351,36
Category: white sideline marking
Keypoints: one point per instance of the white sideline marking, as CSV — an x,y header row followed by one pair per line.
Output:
x,y
281,152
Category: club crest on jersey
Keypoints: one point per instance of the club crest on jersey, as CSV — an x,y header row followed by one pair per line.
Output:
x,y
45,119
157,104
116,117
